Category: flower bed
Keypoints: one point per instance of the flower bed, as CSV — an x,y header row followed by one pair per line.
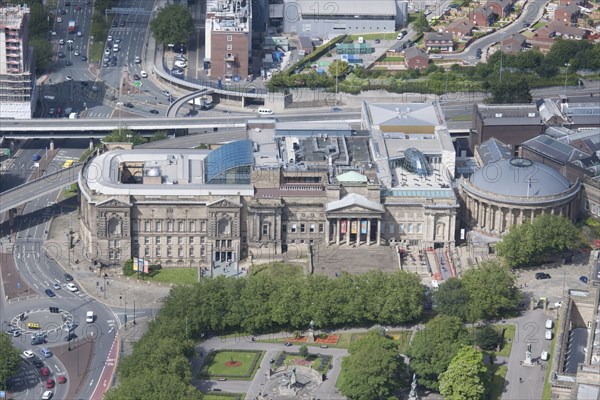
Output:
x,y
331,339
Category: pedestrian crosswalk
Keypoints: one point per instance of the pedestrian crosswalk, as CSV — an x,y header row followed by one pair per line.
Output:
x,y
93,114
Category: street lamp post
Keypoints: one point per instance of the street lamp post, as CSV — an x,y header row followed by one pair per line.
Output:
x,y
566,76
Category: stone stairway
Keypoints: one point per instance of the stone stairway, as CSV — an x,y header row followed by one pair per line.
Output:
x,y
331,259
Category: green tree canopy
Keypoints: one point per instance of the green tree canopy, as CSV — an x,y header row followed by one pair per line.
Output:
x,y
466,377
579,54
173,24
492,291
42,50
531,243
434,347
11,359
338,68
452,299
421,24
124,135
509,91
373,370
487,337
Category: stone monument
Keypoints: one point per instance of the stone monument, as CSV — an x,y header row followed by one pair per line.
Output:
x,y
528,361
311,332
413,389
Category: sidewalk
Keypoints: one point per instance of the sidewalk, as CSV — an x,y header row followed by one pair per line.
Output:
x,y
147,294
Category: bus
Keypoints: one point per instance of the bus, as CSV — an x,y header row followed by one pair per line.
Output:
x,y
68,163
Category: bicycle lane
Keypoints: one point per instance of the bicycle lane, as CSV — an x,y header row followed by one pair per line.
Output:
x,y
108,371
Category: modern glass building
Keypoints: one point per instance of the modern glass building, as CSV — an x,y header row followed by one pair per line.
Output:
x,y
230,163
415,162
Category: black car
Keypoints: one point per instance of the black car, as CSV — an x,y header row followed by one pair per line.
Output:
x,y
68,278
70,336
38,363
114,24
128,105
38,340
50,293
583,279
83,58
179,48
542,275
61,54
153,112
68,63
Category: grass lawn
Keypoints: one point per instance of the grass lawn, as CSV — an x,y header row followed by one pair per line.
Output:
x,y
509,336
72,191
401,59
497,384
215,365
174,275
462,118
315,358
224,396
278,269
539,24
401,338
96,51
373,36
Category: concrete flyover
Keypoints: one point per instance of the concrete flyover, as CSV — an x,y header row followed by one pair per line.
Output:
x,y
175,106
40,187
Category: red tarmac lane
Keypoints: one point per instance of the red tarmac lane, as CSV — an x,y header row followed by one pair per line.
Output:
x,y
108,371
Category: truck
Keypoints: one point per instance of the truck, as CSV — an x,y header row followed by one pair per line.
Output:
x,y
203,102
72,27
73,115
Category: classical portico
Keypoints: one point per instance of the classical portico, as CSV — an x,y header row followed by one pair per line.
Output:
x,y
353,220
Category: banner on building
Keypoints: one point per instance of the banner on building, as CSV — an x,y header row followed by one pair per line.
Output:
x,y
146,265
343,226
354,227
363,226
135,264
141,264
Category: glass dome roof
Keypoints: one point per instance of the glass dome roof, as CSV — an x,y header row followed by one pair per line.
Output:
x,y
415,162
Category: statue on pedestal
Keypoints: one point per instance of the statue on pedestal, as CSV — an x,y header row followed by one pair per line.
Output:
x,y
413,389
311,332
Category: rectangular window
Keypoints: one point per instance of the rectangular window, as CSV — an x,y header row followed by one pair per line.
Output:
x,y
147,226
180,252
401,228
217,243
147,251
169,240
302,228
202,251
158,252
229,47
169,226
203,226
203,240
169,252
419,228
229,38
284,228
265,229
311,228
180,240
180,227
321,228
229,243
293,228
410,228
146,240
302,241
192,226
191,252
111,255
392,226
191,240
158,226
157,240
293,241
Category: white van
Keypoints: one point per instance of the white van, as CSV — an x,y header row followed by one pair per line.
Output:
x,y
545,356
89,317
549,324
549,335
264,111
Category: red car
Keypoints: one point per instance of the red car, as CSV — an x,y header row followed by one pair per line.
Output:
x,y
62,379
45,371
49,383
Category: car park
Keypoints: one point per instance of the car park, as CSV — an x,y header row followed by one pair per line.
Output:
x,y
542,275
28,354
33,325
45,352
47,395
72,287
49,293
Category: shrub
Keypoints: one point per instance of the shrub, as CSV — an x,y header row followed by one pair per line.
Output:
x,y
128,268
303,351
487,338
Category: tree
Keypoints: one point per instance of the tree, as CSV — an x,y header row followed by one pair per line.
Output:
x,y
421,24
434,347
11,359
338,68
492,291
531,243
124,135
487,338
452,299
509,91
303,351
128,267
42,51
373,369
158,135
173,24
466,377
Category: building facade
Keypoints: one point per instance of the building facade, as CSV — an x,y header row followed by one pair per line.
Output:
x,y
17,80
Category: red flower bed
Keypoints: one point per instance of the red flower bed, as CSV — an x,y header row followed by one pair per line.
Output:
x,y
299,361
331,339
301,339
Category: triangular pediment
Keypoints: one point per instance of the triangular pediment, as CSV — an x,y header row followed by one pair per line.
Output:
x,y
113,203
223,203
354,203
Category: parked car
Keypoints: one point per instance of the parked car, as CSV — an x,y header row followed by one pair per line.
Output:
x,y
76,53
38,363
128,105
33,325
107,52
583,279
49,383
180,64
68,78
109,38
62,379
177,72
545,356
549,324
549,335
542,275
68,63
61,42
166,93
59,20
28,354
72,287
83,58
155,112
47,395
61,54
37,157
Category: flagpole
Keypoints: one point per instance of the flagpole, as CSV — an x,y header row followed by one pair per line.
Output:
x,y
528,186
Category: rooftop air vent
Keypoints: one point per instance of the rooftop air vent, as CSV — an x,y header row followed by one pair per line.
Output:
x,y
531,115
498,115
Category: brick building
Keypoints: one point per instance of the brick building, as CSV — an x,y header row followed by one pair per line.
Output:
x,y
416,58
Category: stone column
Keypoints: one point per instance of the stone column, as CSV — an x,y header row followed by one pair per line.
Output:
x,y
327,228
369,232
337,232
348,230
521,217
378,232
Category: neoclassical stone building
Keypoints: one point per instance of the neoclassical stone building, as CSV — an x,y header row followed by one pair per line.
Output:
x,y
510,191
288,186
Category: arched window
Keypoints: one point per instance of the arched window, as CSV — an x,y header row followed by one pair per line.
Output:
x,y
224,227
439,230
114,226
